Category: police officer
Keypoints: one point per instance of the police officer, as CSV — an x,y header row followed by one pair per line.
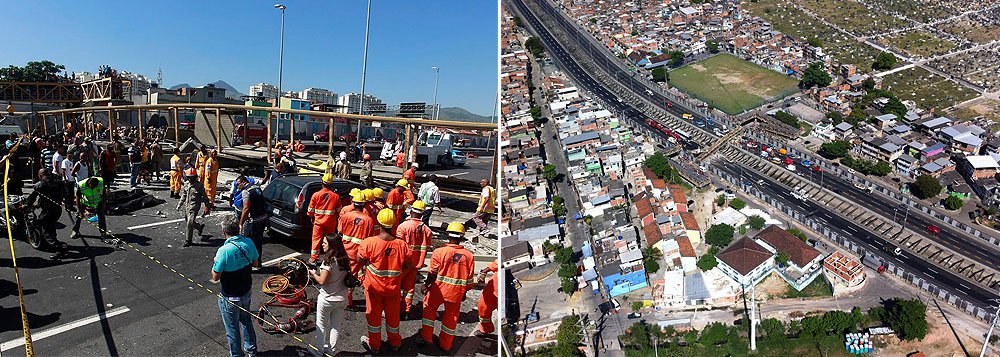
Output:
x,y
253,217
448,278
90,198
51,191
192,197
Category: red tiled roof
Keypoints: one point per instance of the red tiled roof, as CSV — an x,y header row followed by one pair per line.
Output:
x,y
690,223
798,251
642,205
685,247
652,233
744,255
678,194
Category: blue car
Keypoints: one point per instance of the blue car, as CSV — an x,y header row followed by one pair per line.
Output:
x,y
699,123
806,163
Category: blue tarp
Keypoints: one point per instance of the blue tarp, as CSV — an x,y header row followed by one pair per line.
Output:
x,y
620,284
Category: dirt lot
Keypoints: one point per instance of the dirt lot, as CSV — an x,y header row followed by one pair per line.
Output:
x,y
940,340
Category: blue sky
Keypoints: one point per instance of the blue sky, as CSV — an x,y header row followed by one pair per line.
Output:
x,y
199,42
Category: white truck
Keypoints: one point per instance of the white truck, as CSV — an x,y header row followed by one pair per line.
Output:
x,y
434,147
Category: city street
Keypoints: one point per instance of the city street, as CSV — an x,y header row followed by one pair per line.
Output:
x,y
140,301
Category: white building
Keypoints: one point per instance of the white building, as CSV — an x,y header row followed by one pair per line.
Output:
x,y
351,102
263,90
85,76
319,95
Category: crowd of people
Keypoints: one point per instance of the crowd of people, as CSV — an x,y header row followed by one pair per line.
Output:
x,y
379,243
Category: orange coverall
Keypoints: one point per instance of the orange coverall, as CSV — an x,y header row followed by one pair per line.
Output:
x,y
384,266
397,200
418,236
488,302
323,208
211,178
410,175
175,174
454,268
200,164
355,226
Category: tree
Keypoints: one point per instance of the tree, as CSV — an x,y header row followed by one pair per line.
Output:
x,y
536,114
796,232
894,106
756,222
636,305
676,58
517,21
815,42
534,45
868,84
568,337
720,201
564,255
926,186
660,74
651,257
953,203
737,204
857,115
712,46
558,199
719,235
33,71
881,168
659,165
774,329
786,118
549,247
707,262
549,173
714,334
834,149
907,317
815,75
884,61
567,270
835,117
568,285
559,209
782,258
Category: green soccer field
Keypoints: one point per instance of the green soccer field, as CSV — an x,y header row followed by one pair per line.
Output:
x,y
732,84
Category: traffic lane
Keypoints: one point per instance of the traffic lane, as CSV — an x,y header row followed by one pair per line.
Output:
x,y
916,222
475,169
919,267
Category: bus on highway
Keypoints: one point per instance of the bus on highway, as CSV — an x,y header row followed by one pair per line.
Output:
x,y
683,135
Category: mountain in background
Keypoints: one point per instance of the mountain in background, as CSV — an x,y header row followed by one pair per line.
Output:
x,y
459,114
230,91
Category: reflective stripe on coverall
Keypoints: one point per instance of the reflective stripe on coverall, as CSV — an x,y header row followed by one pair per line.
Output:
x,y
488,302
454,268
385,260
418,236
324,205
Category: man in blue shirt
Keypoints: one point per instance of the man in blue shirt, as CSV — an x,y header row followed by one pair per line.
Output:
x,y
236,192
232,269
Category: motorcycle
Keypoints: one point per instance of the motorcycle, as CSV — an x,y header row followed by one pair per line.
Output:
x,y
23,222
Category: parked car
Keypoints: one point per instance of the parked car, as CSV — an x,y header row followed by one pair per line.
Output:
x,y
634,315
458,157
288,199
806,163
817,168
934,229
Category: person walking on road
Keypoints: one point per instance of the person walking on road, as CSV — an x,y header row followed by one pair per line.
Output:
x,y
342,169
331,302
135,163
109,163
355,226
176,171
488,300
366,172
192,197
253,218
212,176
232,269
90,198
51,190
485,208
324,205
385,259
431,195
418,235
448,278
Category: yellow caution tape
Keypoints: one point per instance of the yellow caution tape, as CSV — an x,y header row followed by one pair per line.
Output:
x,y
29,350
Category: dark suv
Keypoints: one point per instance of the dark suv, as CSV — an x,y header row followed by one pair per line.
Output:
x,y
288,199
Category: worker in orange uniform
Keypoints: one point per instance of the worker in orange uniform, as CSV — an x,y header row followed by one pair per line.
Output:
x,y
385,260
411,173
324,205
354,192
400,159
487,301
418,236
369,198
448,278
378,203
399,198
202,157
355,225
176,167
212,176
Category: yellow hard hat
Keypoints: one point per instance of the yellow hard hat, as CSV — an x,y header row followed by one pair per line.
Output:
x,y
377,192
328,178
357,196
386,218
457,228
369,196
355,191
418,205
403,183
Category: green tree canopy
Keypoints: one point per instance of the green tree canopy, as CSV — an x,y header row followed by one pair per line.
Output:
x,y
815,75
712,46
953,203
756,222
894,106
568,337
651,257
796,232
774,329
549,173
707,262
33,71
534,45
868,84
907,317
719,235
782,258
737,204
884,61
564,255
660,74
720,201
636,305
658,164
815,42
857,115
835,149
787,119
715,333
676,58
568,286
567,270
926,186
835,117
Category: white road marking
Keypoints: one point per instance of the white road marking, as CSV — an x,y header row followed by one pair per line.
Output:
x,y
168,222
278,259
18,342
458,174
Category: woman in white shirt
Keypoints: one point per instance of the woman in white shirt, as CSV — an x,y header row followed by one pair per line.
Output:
x,y
332,299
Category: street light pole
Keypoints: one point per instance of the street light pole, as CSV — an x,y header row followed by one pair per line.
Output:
x,y
364,71
437,76
281,58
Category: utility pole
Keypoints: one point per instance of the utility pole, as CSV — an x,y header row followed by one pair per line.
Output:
x,y
753,318
364,71
281,59
993,323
